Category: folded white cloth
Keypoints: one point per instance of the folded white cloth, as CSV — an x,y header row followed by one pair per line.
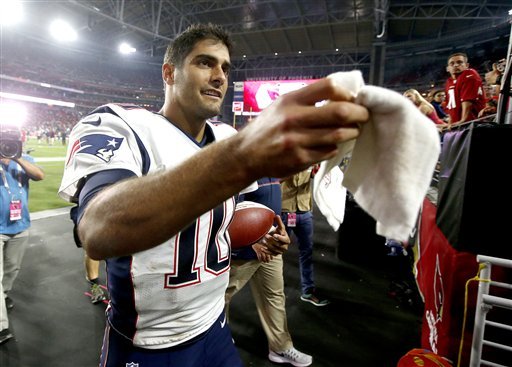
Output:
x,y
392,161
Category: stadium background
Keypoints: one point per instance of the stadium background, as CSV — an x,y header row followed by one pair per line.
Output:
x,y
397,44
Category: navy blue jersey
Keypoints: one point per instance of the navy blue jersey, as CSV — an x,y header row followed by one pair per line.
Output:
x,y
268,194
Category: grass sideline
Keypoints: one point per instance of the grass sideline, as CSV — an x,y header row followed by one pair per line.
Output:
x,y
43,194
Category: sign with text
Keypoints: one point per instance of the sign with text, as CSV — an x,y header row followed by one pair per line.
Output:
x,y
237,106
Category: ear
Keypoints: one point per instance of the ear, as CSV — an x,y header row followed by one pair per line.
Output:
x,y
168,73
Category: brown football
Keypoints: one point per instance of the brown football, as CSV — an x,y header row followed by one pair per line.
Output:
x,y
251,221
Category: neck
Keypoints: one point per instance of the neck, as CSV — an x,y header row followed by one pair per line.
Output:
x,y
187,123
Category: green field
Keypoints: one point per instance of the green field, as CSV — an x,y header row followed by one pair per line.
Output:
x,y
43,194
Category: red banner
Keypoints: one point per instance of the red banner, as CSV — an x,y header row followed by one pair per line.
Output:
x,y
260,94
442,273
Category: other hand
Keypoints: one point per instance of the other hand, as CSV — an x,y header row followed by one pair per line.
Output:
x,y
292,133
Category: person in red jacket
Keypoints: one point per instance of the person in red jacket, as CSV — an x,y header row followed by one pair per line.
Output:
x,y
464,92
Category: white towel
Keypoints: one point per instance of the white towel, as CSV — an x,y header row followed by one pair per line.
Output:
x,y
393,158
329,195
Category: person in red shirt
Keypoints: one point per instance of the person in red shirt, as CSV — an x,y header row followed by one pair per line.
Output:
x,y
464,92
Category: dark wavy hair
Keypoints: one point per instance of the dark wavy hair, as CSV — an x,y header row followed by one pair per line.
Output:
x,y
183,44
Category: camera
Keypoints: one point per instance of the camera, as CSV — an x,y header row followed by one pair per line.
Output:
x,y
500,65
10,142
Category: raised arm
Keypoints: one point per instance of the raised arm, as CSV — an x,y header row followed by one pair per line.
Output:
x,y
33,171
289,136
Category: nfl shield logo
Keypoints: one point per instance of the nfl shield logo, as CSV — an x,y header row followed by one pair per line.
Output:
x,y
132,364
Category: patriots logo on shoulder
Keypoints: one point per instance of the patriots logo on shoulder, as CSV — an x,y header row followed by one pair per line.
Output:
x,y
100,145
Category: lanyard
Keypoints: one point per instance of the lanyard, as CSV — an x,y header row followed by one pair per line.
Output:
x,y
4,177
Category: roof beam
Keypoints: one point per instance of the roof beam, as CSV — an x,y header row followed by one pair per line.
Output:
x,y
138,29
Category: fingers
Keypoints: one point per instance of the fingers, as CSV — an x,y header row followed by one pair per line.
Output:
x,y
340,109
324,89
300,110
280,225
262,253
325,139
292,133
280,233
330,115
267,258
273,247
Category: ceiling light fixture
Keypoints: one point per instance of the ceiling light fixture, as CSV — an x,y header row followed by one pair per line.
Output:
x,y
11,12
125,48
62,31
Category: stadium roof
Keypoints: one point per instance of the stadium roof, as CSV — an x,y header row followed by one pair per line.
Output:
x,y
327,33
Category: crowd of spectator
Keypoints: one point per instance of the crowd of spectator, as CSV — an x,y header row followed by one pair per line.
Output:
x,y
51,124
83,81
488,85
88,83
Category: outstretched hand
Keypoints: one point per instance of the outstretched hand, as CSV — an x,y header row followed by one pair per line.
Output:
x,y
292,133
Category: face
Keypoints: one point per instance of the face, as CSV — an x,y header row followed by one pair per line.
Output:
x,y
439,97
410,96
199,86
456,65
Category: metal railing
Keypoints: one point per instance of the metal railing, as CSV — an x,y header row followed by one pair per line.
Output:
x,y
485,302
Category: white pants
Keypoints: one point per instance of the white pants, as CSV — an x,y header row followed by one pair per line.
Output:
x,y
12,249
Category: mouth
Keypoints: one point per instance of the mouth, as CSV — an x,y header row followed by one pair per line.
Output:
x,y
212,93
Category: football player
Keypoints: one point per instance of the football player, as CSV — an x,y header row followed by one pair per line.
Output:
x,y
156,193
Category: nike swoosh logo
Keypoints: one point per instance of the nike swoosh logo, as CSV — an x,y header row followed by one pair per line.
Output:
x,y
223,322
92,120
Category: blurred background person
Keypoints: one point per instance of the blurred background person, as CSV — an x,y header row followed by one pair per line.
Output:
x,y
92,273
297,215
490,109
438,99
92,267
464,90
424,106
16,170
493,79
263,270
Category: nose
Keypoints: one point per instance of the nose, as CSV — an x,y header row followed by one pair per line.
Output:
x,y
219,76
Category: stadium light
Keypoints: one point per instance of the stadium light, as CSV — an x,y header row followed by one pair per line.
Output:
x,y
13,114
11,12
125,48
62,31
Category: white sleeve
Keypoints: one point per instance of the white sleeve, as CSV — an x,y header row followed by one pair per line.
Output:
x,y
100,141
252,187
224,131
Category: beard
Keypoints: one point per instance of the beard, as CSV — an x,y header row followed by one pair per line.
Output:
x,y
192,99
208,111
